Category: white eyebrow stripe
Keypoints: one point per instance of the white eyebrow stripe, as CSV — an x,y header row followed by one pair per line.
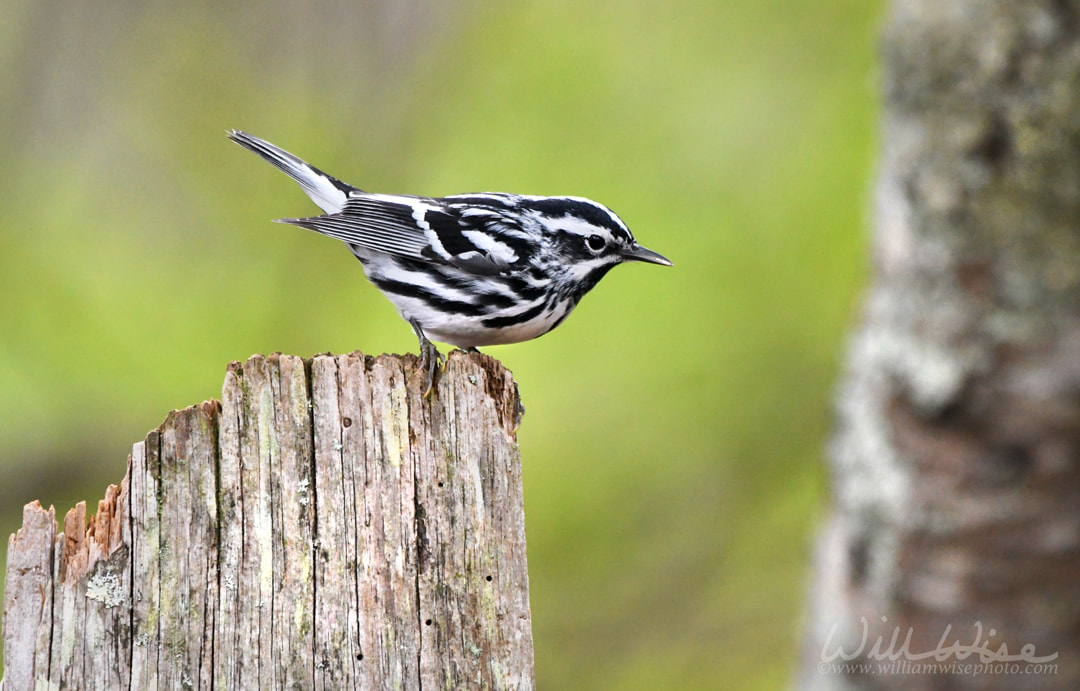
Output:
x,y
578,226
611,214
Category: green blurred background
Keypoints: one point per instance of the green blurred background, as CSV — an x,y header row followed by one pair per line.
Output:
x,y
676,423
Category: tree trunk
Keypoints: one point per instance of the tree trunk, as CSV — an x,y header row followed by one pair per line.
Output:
x,y
956,464
324,526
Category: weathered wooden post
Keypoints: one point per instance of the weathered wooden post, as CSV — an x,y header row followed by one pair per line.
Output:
x,y
324,526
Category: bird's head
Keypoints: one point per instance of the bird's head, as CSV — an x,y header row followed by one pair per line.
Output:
x,y
588,238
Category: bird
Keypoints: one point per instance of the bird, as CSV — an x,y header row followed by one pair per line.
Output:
x,y
470,270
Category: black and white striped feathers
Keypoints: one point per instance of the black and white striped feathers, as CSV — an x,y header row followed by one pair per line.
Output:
x,y
468,269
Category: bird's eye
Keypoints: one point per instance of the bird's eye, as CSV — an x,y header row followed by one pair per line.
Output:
x,y
595,243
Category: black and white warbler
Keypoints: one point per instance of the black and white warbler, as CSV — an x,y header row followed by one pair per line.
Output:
x,y
469,269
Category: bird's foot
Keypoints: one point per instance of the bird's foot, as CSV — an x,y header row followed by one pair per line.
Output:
x,y
431,360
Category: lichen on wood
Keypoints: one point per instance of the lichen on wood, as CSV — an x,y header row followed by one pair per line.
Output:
x,y
954,463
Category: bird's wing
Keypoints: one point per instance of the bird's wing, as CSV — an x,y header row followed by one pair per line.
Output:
x,y
475,239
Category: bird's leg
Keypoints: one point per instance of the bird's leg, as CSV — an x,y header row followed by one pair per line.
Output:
x,y
430,358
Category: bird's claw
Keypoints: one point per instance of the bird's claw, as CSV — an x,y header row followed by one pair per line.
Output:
x,y
431,360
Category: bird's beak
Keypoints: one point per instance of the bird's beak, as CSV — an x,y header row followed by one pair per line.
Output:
x,y
637,253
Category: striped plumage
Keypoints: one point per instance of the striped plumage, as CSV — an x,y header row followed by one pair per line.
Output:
x,y
468,269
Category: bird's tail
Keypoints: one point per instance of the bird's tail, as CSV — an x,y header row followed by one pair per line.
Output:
x,y
326,191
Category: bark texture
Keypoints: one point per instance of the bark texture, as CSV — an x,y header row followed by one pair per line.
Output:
x,y
956,464
324,526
